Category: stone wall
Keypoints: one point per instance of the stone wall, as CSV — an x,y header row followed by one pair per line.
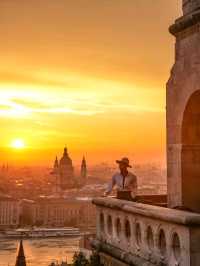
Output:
x,y
140,234
190,5
183,87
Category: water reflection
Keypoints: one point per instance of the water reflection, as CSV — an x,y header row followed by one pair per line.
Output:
x,y
39,251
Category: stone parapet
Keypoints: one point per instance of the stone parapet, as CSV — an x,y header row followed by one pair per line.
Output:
x,y
184,23
160,213
140,234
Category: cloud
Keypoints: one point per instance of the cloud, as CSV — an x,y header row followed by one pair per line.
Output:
x,y
11,109
21,108
35,79
40,93
25,108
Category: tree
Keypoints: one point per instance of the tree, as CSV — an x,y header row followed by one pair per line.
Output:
x,y
79,259
95,259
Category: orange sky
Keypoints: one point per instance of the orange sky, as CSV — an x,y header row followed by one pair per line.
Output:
x,y
90,74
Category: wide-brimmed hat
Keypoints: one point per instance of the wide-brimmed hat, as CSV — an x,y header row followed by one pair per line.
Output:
x,y
125,161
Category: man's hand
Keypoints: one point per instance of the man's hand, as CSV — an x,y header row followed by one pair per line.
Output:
x,y
105,194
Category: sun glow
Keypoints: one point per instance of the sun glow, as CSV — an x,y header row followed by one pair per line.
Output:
x,y
18,144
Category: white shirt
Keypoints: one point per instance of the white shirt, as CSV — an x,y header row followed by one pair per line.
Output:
x,y
130,183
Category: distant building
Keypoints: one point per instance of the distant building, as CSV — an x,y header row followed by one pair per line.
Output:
x,y
9,212
63,171
66,171
56,172
27,212
61,212
83,170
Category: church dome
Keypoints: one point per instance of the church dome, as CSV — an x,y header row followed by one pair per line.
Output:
x,y
65,160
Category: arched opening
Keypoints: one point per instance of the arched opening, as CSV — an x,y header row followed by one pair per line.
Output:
x,y
102,223
190,161
118,227
109,225
150,238
127,230
162,245
138,234
176,246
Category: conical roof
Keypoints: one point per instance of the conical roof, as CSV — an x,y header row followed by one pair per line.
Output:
x,y
21,260
83,162
56,165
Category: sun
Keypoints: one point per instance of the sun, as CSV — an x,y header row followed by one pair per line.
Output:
x,y
18,144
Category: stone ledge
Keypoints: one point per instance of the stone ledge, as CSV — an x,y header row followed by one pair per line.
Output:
x,y
119,254
184,23
154,212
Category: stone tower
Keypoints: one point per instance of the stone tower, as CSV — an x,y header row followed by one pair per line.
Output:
x,y
183,112
83,170
21,260
57,186
56,166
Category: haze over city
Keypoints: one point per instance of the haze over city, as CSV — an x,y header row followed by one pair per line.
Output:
x,y
72,71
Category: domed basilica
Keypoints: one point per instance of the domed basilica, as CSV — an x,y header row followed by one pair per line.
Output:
x,y
64,172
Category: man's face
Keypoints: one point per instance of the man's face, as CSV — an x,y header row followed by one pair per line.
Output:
x,y
122,167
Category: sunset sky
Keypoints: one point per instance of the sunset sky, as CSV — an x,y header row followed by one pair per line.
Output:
x,y
89,74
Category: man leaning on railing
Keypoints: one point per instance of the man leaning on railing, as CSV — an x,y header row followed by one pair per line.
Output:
x,y
124,181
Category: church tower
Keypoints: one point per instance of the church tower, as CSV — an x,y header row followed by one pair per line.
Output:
x,y
83,170
57,188
56,166
21,260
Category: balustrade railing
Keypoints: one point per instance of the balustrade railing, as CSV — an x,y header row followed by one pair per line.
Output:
x,y
155,234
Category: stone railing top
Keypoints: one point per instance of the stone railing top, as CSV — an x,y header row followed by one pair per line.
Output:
x,y
154,212
185,22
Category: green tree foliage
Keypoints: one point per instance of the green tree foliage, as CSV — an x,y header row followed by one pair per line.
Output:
x,y
79,259
95,259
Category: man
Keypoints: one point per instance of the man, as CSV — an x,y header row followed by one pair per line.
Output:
x,y
123,180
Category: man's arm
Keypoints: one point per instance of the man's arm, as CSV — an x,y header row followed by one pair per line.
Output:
x,y
134,185
110,186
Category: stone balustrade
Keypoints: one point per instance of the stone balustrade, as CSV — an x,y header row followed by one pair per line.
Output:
x,y
141,234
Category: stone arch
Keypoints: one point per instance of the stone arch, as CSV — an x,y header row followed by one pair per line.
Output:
x,y
110,225
162,243
150,238
190,154
127,226
138,234
118,227
176,246
102,222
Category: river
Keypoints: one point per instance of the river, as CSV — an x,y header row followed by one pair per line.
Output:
x,y
39,251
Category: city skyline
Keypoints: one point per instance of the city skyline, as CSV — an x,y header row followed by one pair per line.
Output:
x,y
67,65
